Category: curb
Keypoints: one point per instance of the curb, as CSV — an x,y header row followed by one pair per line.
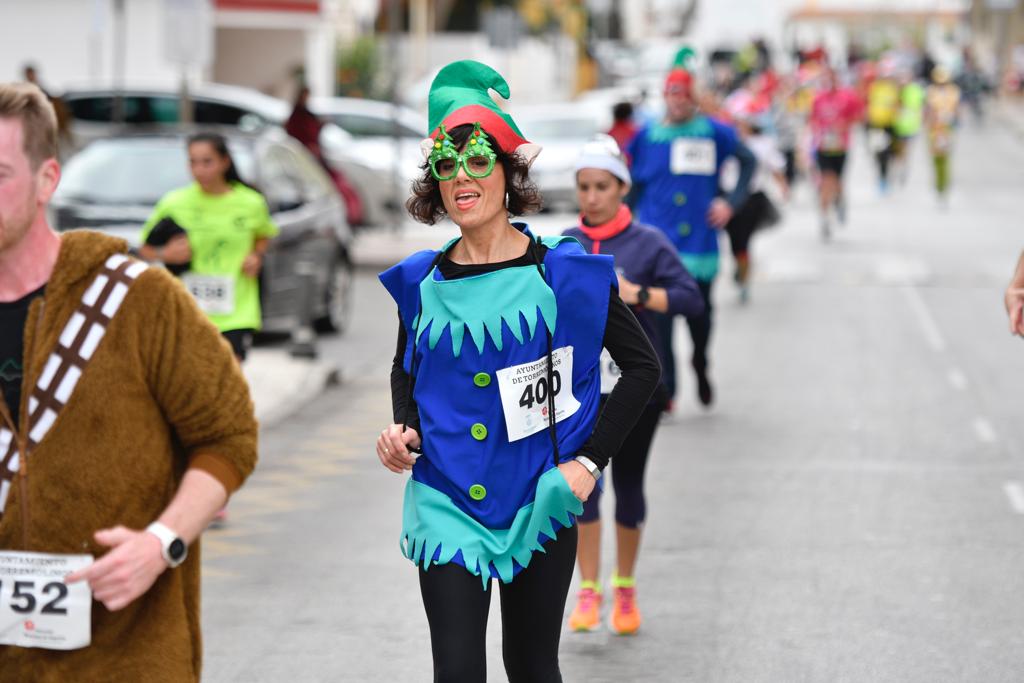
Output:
x,y
281,386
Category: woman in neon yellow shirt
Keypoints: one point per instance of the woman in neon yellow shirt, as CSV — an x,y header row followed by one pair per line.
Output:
x,y
227,228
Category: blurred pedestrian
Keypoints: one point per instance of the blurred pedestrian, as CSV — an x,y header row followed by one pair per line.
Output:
x,y
623,126
757,210
882,108
907,125
226,230
496,382
305,126
676,165
65,139
652,279
974,86
1014,299
134,421
789,122
834,113
941,118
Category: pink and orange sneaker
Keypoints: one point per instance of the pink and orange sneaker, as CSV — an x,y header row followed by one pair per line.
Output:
x,y
625,619
586,616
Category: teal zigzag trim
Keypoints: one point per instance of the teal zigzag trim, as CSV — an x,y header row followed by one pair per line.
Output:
x,y
431,521
480,303
697,127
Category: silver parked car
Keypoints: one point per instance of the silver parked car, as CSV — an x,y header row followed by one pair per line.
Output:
x,y
381,155
113,184
356,140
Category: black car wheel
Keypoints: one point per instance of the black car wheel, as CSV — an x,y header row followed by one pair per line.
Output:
x,y
338,298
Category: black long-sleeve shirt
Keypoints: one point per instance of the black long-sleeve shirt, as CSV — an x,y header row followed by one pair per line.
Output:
x,y
623,337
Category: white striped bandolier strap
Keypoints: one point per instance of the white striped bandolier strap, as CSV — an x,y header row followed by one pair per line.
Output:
x,y
66,363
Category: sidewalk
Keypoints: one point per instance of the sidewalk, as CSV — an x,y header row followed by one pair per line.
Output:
x,y
379,248
281,385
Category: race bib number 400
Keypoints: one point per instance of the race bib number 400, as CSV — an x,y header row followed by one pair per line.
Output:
x,y
692,156
37,609
524,393
214,293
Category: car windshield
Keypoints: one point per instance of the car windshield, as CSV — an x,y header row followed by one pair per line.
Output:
x,y
135,172
581,128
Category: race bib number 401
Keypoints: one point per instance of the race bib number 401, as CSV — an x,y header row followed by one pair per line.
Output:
x,y
524,392
214,293
37,609
692,156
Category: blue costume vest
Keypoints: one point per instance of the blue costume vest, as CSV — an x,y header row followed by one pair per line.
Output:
x,y
486,493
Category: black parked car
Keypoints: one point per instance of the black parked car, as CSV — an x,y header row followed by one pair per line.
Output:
x,y
113,184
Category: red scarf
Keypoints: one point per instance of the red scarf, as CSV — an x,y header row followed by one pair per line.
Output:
x,y
623,219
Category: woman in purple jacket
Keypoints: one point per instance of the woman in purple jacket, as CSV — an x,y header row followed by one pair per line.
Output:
x,y
651,279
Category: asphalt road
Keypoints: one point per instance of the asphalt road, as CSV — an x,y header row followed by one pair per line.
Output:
x,y
851,509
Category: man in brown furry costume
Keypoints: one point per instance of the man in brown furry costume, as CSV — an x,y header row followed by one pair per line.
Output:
x,y
122,448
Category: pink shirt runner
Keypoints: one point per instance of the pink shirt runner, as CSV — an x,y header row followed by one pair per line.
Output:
x,y
833,115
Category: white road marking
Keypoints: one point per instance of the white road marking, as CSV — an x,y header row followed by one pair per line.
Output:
x,y
958,379
928,325
984,430
1015,493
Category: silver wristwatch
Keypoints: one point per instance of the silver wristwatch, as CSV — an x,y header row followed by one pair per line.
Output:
x,y
594,470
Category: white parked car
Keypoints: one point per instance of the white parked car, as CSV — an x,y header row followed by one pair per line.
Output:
x,y
561,129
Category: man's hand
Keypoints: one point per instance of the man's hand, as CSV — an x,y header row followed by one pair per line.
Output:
x,y
127,571
580,480
252,264
176,251
392,448
629,292
719,213
1015,307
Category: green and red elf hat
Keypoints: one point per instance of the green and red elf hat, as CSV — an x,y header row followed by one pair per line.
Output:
x,y
460,95
680,78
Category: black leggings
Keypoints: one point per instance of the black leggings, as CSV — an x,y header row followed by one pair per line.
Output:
x,y
700,333
627,471
532,607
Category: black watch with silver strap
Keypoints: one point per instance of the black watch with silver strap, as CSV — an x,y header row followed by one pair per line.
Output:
x,y
594,470
172,547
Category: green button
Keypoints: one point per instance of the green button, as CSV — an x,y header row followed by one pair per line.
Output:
x,y
477,492
481,379
680,198
478,431
684,229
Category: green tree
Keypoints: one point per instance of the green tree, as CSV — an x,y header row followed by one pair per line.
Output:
x,y
358,69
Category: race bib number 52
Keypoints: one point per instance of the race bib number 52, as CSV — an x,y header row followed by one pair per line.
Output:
x,y
525,389
37,609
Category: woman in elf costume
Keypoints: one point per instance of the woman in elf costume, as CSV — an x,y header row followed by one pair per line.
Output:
x,y
652,279
496,386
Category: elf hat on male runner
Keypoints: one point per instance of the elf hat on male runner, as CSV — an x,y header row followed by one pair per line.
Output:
x,y
460,95
680,79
